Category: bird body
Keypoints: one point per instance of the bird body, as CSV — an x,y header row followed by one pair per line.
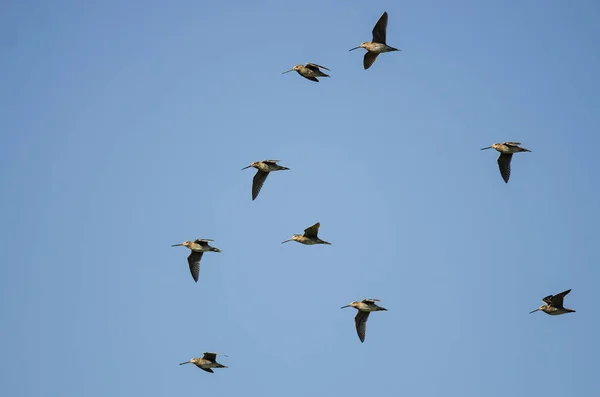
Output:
x,y
309,71
364,307
506,150
198,248
206,362
310,236
377,45
263,167
554,305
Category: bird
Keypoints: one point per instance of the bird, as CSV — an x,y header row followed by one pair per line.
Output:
x,y
263,167
208,361
309,71
198,247
310,236
378,45
554,305
506,150
364,307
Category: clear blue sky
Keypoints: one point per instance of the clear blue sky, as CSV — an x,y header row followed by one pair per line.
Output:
x,y
124,128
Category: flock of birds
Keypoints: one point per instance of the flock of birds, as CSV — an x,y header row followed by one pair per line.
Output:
x,y
553,303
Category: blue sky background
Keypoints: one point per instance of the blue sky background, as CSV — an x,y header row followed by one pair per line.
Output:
x,y
124,128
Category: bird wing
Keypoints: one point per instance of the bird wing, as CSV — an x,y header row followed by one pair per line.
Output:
x,y
203,241
370,300
310,78
380,29
312,231
504,165
210,356
207,370
315,67
361,324
194,262
513,144
557,300
369,58
270,161
257,182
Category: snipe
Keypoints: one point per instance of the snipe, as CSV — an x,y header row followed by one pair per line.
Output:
x,y
364,307
554,305
263,167
378,45
198,248
310,236
309,71
208,361
506,150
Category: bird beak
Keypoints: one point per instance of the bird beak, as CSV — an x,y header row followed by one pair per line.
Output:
x,y
285,241
246,167
344,306
187,362
533,311
355,48
489,147
287,71
176,245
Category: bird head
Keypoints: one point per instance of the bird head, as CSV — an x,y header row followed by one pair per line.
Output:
x,y
353,304
251,165
539,308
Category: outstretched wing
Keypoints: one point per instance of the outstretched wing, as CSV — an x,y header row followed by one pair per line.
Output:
x,y
361,324
194,262
311,78
369,58
207,370
258,182
210,356
312,231
380,29
504,165
370,300
315,67
513,144
557,300
203,241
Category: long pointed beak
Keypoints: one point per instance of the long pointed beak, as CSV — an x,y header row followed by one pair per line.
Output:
x,y
176,245
355,48
533,311
344,306
489,147
286,241
287,71
246,167
187,362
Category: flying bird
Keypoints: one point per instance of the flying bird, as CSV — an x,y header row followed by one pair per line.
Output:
x,y
310,236
506,150
309,71
208,361
378,45
554,305
364,307
263,167
198,248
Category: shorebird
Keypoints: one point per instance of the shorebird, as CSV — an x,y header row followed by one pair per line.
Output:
x,y
506,150
554,305
198,247
377,46
309,71
208,361
309,237
364,307
263,167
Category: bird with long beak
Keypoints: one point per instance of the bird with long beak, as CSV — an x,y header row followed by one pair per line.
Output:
x,y
309,71
263,167
554,305
364,307
378,45
198,248
506,150
310,236
208,361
